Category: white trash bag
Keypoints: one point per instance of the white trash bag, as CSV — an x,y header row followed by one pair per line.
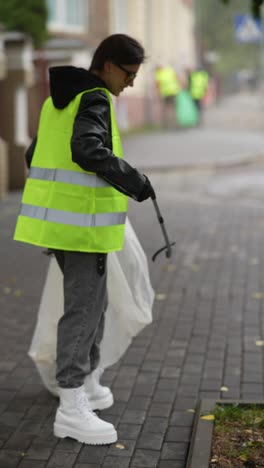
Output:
x,y
129,310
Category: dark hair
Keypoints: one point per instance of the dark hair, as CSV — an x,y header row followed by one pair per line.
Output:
x,y
119,49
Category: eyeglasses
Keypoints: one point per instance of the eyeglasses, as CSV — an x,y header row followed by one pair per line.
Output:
x,y
130,75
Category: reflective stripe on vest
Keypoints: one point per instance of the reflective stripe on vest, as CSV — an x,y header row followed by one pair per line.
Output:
x,y
73,219
67,176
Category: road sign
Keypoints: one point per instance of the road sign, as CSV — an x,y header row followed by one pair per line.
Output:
x,y
248,29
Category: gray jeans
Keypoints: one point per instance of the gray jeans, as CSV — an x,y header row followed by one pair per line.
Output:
x,y
80,329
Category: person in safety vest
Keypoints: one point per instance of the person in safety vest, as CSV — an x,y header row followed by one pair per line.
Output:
x,y
197,86
75,204
168,86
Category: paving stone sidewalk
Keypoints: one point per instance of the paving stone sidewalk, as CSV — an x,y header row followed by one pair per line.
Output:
x,y
205,335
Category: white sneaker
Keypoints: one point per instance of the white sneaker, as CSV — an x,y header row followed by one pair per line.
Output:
x,y
75,419
100,397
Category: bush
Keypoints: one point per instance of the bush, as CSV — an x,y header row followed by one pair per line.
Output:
x,y
27,16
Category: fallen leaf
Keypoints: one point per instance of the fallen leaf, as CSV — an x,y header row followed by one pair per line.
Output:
x,y
161,297
224,389
7,290
195,267
190,410
120,446
208,417
260,343
18,293
12,279
254,261
258,295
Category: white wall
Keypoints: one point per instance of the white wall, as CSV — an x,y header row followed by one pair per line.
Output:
x,y
165,28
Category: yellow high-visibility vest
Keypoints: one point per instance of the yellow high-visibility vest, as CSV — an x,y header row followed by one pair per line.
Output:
x,y
198,84
63,206
167,81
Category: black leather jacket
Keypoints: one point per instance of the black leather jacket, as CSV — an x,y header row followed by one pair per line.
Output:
x,y
91,142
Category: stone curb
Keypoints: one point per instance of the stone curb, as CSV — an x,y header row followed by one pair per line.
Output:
x,y
217,165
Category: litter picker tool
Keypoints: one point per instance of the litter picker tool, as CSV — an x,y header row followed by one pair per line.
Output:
x,y
169,244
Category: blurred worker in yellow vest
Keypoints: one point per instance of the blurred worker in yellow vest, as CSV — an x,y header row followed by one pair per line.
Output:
x,y
168,86
197,86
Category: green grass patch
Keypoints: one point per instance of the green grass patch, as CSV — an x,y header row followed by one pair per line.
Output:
x,y
238,437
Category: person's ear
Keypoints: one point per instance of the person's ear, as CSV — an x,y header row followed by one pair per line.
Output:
x,y
107,67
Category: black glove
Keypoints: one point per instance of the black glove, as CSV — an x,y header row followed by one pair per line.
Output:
x,y
147,191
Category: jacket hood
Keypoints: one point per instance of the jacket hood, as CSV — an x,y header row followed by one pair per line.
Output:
x,y
68,81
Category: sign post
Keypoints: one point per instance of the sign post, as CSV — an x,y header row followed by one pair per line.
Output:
x,y
248,29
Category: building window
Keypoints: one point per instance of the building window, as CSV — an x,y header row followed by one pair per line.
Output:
x,y
69,15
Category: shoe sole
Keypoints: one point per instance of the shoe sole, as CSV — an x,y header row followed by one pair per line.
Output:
x,y
91,439
103,403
